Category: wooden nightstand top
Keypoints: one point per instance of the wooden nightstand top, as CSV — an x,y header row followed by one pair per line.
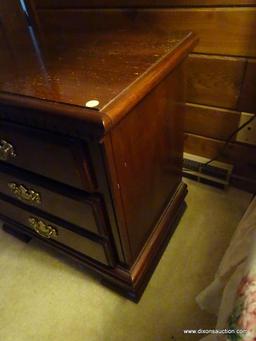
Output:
x,y
88,73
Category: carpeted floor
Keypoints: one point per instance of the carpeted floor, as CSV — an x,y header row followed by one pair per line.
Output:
x,y
45,297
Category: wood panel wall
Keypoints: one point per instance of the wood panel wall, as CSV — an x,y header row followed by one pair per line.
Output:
x,y
138,3
221,73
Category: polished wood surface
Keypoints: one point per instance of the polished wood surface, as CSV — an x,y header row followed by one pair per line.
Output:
x,y
14,34
68,153
130,282
220,74
147,175
87,59
102,184
88,247
136,92
85,211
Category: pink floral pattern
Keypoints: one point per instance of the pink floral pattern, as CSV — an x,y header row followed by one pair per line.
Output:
x,y
244,312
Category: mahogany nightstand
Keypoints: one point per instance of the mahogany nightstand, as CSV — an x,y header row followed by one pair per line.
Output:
x,y
91,143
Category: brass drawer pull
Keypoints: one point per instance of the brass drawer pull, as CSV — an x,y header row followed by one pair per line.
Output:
x,y
44,230
6,150
22,193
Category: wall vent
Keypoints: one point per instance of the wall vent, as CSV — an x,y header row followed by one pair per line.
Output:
x,y
216,173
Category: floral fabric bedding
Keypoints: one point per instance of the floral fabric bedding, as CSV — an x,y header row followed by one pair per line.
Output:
x,y
243,316
232,294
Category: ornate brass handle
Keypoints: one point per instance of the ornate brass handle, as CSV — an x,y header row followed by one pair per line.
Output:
x,y
22,193
44,230
6,150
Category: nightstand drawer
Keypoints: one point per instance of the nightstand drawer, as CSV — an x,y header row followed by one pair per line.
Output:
x,y
64,160
85,211
53,233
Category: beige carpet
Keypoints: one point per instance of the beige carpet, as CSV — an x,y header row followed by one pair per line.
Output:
x,y
45,297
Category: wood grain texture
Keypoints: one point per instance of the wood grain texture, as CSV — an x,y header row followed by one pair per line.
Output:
x,y
88,60
95,248
210,121
247,101
128,282
15,36
147,175
116,197
224,31
70,155
143,139
115,65
137,3
84,211
6,60
214,80
209,147
121,105
13,22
